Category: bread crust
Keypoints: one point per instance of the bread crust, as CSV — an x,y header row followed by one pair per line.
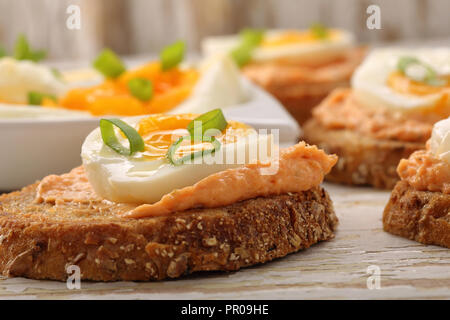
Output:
x,y
40,240
300,106
363,160
300,90
423,216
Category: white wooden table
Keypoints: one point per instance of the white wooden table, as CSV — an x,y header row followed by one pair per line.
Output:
x,y
330,270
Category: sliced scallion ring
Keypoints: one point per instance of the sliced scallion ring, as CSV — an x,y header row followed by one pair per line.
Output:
x,y
319,30
141,88
252,36
213,119
56,73
35,98
23,51
242,55
110,139
201,153
250,39
172,55
2,52
430,76
21,48
109,64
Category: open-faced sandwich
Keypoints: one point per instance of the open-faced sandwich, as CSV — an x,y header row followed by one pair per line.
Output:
x,y
299,67
396,97
419,208
168,195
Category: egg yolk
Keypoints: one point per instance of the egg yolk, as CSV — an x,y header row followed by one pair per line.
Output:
x,y
113,97
159,131
402,84
296,37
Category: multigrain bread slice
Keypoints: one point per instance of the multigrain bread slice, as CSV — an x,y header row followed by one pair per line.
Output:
x,y
40,240
363,160
423,216
299,100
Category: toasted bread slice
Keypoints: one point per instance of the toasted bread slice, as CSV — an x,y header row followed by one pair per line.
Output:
x,y
300,100
423,216
39,240
363,160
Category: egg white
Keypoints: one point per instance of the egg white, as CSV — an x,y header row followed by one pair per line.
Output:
x,y
369,80
440,140
220,86
306,53
17,78
134,179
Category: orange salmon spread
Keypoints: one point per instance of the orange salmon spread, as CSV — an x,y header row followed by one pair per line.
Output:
x,y
340,110
425,172
72,186
300,168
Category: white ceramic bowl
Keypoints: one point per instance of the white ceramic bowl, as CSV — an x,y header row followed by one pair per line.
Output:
x,y
32,148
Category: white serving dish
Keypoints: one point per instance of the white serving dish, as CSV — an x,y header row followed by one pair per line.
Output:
x,y
34,147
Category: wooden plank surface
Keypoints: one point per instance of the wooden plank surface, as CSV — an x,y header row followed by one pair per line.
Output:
x,y
144,26
330,270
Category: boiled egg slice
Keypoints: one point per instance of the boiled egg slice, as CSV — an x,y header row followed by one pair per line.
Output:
x,y
18,78
301,46
146,176
377,82
219,86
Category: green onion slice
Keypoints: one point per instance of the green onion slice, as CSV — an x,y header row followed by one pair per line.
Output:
x,y
242,55
213,119
21,47
172,55
141,88
37,56
23,51
110,139
35,98
201,153
2,52
319,30
56,73
109,64
430,76
250,39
